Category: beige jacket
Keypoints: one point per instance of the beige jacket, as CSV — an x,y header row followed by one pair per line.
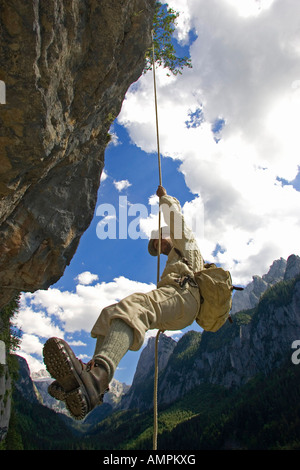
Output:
x,y
183,240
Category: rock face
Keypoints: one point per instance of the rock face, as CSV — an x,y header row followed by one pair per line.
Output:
x,y
249,297
41,385
292,268
67,65
144,374
24,384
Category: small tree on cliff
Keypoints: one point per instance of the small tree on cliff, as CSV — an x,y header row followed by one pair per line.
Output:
x,y
164,25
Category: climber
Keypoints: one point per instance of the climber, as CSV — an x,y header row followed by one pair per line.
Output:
x,y
173,305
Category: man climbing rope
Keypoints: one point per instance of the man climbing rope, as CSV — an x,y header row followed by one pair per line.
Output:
x,y
172,306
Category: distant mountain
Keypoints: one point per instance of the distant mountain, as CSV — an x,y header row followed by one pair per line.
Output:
x,y
280,270
144,374
41,381
292,268
24,385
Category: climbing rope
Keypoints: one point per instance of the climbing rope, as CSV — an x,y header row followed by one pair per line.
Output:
x,y
155,421
158,156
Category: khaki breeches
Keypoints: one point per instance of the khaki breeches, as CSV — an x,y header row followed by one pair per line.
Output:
x,y
166,308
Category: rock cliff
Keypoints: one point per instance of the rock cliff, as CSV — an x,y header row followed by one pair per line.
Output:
x,y
67,65
249,297
24,385
141,390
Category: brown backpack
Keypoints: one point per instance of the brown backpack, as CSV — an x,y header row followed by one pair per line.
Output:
x,y
216,288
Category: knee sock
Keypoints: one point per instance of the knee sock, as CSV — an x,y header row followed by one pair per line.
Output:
x,y
109,350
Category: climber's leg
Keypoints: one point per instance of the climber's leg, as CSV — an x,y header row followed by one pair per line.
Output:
x,y
109,352
166,308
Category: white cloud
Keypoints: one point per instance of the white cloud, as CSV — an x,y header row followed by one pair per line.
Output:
x,y
245,72
104,175
114,139
123,184
247,8
175,334
183,21
41,313
35,322
153,200
76,343
35,365
30,347
87,278
31,344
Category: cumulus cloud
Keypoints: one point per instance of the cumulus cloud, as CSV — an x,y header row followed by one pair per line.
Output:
x,y
123,184
53,312
232,122
79,310
36,322
86,278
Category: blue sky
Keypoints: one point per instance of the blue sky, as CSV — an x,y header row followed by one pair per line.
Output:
x,y
230,154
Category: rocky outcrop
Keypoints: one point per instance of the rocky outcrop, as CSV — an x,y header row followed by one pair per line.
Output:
x,y
67,65
140,394
249,297
24,385
41,385
292,268
116,391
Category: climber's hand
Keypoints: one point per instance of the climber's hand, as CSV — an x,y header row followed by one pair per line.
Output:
x,y
161,191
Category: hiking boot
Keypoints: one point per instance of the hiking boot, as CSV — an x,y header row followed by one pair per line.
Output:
x,y
90,393
60,362
84,384
56,391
